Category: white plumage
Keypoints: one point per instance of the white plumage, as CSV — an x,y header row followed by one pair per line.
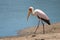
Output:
x,y
41,14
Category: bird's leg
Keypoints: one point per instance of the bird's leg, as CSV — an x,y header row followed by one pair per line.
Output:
x,y
43,27
37,26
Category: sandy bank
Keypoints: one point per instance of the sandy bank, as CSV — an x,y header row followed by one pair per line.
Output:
x,y
52,32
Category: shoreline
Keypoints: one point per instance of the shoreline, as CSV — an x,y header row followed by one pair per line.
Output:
x,y
49,31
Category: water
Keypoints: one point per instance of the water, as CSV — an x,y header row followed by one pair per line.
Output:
x,y
13,14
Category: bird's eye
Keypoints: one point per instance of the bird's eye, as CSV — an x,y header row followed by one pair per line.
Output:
x,y
30,10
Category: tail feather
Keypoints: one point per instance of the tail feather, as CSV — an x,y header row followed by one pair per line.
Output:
x,y
47,21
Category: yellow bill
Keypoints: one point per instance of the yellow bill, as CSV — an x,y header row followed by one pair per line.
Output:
x,y
28,15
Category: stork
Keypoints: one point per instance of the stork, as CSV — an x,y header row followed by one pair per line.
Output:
x,y
40,15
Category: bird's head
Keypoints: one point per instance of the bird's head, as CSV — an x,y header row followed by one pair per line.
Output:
x,y
30,11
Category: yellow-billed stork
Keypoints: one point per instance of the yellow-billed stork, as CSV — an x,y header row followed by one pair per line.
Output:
x,y
40,15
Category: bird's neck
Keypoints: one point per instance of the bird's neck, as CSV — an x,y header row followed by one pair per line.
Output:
x,y
33,11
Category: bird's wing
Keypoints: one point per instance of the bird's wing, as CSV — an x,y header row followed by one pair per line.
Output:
x,y
41,14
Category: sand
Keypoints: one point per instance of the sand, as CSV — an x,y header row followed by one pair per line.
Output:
x,y
52,32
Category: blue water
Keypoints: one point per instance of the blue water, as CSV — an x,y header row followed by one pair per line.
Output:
x,y
13,14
